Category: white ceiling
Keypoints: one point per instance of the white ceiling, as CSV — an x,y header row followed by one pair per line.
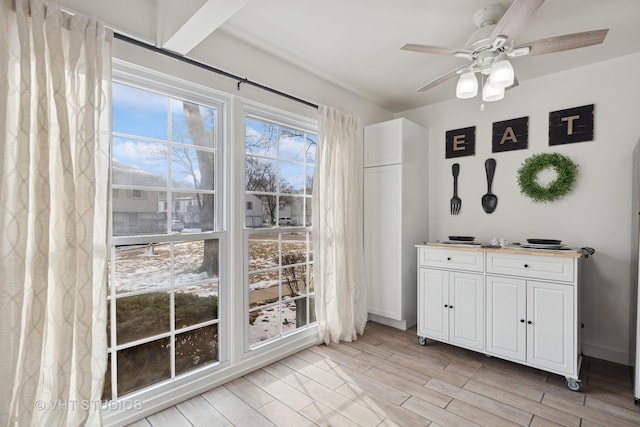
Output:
x,y
356,43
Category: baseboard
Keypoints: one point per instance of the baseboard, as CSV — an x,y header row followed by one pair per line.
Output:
x,y
608,354
398,324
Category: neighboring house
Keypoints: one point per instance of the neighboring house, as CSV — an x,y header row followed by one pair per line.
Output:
x,y
141,211
296,212
285,210
253,211
186,210
135,210
293,208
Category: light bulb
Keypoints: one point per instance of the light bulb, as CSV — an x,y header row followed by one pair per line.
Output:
x,y
467,86
491,93
502,73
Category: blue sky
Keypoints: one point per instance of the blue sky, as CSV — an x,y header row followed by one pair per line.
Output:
x,y
146,114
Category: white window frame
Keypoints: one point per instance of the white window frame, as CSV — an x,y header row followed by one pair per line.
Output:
x,y
235,359
293,121
178,89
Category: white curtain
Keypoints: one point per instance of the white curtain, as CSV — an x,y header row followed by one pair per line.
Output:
x,y
55,123
337,210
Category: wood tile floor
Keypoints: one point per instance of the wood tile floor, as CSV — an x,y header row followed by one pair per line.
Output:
x,y
386,379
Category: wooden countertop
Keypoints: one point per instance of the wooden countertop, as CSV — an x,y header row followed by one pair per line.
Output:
x,y
510,249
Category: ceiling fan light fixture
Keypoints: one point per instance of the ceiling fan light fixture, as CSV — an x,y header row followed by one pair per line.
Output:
x,y
491,46
502,73
492,93
467,86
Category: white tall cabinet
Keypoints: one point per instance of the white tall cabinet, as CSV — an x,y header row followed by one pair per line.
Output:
x,y
395,217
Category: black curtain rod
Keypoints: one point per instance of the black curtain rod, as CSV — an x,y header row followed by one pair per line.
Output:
x,y
241,80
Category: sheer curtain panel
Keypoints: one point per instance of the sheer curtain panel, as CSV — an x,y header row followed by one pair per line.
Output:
x,y
341,307
54,173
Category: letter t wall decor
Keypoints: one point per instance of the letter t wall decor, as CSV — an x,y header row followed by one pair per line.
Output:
x,y
571,125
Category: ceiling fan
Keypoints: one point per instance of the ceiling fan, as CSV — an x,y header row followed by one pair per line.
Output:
x,y
490,47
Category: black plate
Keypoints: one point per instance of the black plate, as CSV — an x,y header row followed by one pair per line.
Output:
x,y
544,241
462,238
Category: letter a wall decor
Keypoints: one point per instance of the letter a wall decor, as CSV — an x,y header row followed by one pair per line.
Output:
x,y
460,142
510,135
571,125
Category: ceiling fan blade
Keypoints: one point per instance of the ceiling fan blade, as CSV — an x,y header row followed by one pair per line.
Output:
x,y
566,42
423,48
515,18
441,79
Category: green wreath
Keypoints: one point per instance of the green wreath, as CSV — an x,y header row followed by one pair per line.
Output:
x,y
565,169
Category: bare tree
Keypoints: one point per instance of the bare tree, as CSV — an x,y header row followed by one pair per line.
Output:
x,y
292,274
201,138
262,176
265,141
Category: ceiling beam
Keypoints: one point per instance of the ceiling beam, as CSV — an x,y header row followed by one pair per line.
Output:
x,y
205,21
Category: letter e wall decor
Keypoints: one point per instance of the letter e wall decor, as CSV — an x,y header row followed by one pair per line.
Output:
x,y
460,142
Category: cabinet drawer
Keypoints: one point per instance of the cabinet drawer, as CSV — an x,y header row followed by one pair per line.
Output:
x,y
451,259
531,266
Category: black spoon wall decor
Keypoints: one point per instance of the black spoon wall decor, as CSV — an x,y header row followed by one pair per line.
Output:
x,y
489,200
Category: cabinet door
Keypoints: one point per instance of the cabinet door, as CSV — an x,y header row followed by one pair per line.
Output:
x,y
433,295
550,336
506,317
466,308
383,251
383,143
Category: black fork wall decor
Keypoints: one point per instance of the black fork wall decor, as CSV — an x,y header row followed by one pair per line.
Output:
x,y
456,203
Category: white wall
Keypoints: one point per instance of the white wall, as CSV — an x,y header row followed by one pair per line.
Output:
x,y
229,54
596,214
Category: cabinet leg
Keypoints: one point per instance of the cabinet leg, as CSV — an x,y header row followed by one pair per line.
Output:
x,y
422,341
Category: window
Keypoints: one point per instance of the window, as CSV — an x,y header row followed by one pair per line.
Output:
x,y
279,165
167,234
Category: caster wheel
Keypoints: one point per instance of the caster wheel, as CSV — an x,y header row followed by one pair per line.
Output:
x,y
422,341
573,384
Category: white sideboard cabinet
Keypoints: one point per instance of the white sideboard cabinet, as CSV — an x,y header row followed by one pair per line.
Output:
x,y
395,217
516,304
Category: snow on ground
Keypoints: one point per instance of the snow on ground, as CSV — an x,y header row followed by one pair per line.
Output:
x,y
266,325
141,268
